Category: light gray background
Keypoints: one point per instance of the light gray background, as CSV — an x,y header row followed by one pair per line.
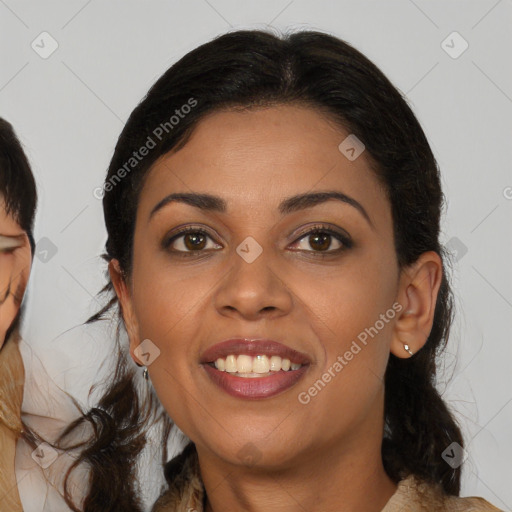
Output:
x,y
69,109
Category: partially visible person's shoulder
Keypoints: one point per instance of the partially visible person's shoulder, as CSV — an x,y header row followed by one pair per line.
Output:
x,y
414,495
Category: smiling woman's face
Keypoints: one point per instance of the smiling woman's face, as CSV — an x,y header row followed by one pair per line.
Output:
x,y
312,293
15,263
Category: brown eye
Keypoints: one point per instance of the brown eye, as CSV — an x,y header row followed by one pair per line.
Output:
x,y
320,239
194,241
189,240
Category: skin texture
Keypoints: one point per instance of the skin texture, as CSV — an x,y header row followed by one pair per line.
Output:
x,y
15,263
325,454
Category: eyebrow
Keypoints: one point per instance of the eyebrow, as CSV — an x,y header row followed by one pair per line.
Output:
x,y
208,202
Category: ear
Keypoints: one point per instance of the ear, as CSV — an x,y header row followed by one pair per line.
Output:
x,y
124,296
418,289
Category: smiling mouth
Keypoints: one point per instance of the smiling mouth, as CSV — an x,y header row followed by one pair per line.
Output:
x,y
253,385
253,368
248,366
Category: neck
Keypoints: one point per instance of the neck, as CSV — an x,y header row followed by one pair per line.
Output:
x,y
12,377
343,476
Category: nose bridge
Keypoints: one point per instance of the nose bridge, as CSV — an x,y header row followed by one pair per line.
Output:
x,y
253,283
252,265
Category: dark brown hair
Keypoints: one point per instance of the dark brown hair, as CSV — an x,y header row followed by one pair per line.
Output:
x,y
17,184
18,190
251,68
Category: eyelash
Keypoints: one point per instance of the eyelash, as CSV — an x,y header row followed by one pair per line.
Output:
x,y
320,228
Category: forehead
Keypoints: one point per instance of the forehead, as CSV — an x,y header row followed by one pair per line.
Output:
x,y
259,156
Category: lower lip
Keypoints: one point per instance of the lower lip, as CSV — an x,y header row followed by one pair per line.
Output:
x,y
257,387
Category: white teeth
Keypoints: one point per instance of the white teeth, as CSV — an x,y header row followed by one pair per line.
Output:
x,y
230,364
257,366
244,364
260,364
275,363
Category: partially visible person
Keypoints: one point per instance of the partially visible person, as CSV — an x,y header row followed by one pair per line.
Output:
x,y
18,200
33,409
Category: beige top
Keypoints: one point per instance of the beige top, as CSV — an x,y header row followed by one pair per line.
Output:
x,y
187,494
24,484
12,375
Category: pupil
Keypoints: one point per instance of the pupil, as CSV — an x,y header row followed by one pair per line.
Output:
x,y
324,237
197,240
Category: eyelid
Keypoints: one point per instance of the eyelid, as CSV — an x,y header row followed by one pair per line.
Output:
x,y
323,227
8,243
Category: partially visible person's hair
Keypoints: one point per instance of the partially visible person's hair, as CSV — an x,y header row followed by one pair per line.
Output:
x,y
256,69
17,184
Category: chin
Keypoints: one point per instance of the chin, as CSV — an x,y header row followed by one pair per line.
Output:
x,y
257,454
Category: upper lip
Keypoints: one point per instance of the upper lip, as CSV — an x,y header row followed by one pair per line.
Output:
x,y
252,346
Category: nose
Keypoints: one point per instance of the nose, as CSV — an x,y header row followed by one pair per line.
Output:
x,y
253,290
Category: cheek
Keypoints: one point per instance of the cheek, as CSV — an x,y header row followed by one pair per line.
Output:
x,y
6,272
353,318
351,299
349,380
165,309
163,293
